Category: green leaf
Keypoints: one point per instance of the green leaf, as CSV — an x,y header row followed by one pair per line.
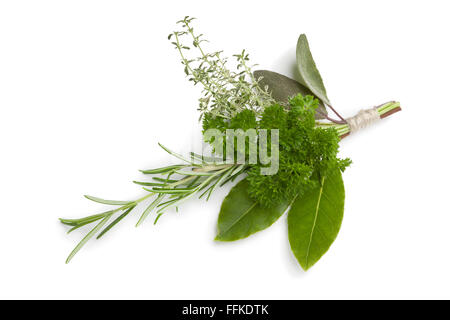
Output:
x,y
179,156
110,202
315,218
163,169
168,191
116,221
282,88
240,216
82,224
88,236
165,180
149,184
193,173
75,222
149,208
309,75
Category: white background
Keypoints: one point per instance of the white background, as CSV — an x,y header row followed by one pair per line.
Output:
x,y
88,88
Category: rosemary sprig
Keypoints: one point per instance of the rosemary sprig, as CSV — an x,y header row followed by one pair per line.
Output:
x,y
192,179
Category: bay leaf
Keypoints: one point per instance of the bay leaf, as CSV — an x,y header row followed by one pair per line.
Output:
x,y
282,88
241,216
110,202
309,75
315,218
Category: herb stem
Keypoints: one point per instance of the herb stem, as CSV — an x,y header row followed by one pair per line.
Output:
x,y
340,117
186,63
331,119
384,111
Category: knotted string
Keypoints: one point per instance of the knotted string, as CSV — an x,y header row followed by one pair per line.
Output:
x,y
363,119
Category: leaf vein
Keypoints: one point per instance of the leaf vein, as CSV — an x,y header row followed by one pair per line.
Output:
x,y
315,220
239,219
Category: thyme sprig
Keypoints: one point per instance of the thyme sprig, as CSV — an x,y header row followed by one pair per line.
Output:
x,y
225,92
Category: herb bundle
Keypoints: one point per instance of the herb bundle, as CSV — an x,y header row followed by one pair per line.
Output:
x,y
308,181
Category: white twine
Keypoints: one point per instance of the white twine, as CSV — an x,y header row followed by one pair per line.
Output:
x,y
362,119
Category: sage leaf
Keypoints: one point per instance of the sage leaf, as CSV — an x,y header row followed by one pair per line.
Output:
x,y
315,218
309,75
282,88
241,216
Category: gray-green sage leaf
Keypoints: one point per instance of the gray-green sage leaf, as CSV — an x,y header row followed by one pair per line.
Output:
x,y
309,75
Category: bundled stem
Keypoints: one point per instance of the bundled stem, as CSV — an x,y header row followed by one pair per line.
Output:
x,y
225,92
383,110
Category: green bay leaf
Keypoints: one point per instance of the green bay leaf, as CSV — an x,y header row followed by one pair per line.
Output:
x,y
241,216
315,218
282,88
309,75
